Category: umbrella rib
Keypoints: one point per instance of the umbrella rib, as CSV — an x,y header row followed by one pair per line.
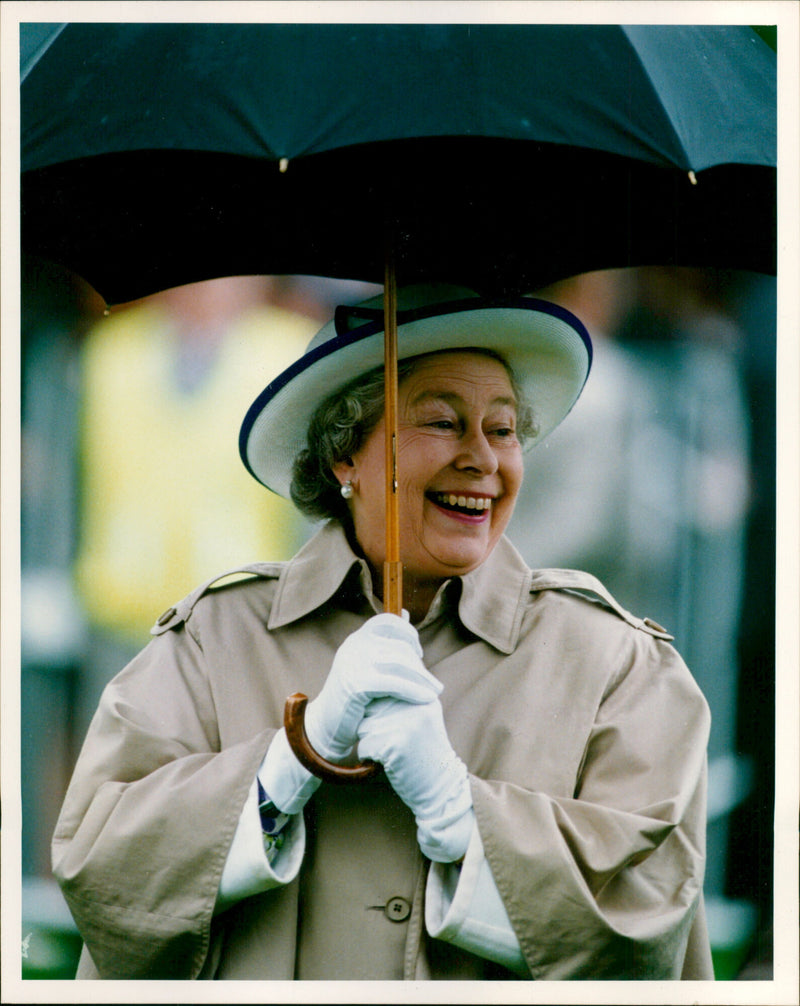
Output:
x,y
33,58
687,162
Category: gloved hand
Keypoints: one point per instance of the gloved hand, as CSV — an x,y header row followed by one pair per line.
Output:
x,y
411,743
382,658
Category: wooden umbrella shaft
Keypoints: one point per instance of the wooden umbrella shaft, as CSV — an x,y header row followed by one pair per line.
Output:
x,y
392,567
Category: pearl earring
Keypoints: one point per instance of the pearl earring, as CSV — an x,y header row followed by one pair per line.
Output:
x,y
347,490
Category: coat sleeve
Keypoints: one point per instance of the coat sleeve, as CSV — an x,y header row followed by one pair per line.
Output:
x,y
606,884
150,815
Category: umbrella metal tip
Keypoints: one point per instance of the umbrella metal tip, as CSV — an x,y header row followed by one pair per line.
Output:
x,y
283,164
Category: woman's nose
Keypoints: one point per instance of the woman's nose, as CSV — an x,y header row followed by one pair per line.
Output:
x,y
476,453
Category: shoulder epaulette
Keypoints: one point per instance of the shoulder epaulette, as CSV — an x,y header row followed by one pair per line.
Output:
x,y
577,581
178,613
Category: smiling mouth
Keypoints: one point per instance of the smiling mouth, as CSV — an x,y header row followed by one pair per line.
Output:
x,y
461,503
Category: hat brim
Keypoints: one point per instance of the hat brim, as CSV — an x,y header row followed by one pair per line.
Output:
x,y
547,348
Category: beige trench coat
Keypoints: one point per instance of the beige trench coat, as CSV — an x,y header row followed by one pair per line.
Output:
x,y
584,734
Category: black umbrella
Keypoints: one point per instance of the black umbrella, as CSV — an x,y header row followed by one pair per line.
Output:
x,y
507,156
501,157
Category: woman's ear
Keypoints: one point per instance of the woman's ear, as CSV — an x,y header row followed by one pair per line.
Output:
x,y
343,470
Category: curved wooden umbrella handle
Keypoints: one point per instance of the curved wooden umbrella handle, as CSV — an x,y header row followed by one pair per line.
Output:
x,y
294,723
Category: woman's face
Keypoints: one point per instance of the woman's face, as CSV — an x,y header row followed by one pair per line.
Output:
x,y
459,468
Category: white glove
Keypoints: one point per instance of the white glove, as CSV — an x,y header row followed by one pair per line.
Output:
x,y
382,658
412,745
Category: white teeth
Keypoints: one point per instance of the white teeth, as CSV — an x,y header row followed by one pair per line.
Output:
x,y
467,502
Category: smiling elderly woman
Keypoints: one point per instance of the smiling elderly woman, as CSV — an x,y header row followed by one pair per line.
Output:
x,y
541,809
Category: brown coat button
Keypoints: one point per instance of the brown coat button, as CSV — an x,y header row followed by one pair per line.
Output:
x,y
397,909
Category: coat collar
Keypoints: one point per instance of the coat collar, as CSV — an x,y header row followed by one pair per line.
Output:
x,y
491,603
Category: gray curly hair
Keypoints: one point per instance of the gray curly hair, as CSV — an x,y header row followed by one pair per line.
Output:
x,y
343,422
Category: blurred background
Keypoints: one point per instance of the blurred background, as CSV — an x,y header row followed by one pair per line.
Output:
x,y
661,482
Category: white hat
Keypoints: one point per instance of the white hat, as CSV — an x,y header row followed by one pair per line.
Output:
x,y
546,347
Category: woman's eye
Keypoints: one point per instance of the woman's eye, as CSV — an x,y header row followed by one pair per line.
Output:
x,y
442,424
504,431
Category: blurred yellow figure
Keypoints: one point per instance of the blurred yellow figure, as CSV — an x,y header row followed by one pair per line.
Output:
x,y
165,501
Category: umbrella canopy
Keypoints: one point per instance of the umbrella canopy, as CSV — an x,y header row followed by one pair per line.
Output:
x,y
504,156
